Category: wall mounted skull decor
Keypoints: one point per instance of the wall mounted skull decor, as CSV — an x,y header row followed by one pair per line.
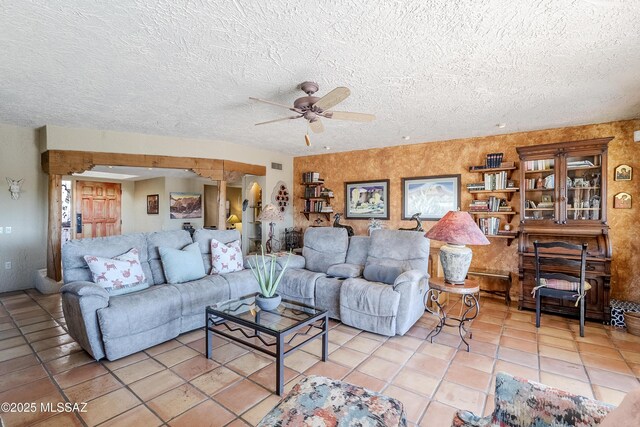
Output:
x,y
15,186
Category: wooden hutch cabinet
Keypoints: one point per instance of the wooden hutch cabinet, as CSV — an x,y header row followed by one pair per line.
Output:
x,y
563,188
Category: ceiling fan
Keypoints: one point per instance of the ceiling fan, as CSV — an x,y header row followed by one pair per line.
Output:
x,y
312,108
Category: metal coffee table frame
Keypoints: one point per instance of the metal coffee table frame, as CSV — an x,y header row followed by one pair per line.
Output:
x,y
318,321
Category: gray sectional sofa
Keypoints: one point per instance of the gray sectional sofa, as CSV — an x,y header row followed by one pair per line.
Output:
x,y
327,275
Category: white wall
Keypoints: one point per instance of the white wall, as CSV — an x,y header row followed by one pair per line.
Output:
x,y
143,221
25,247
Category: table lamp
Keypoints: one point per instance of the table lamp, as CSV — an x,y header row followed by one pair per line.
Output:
x,y
456,229
271,213
233,220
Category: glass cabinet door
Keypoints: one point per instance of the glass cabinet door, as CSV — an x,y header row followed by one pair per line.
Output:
x,y
539,190
584,190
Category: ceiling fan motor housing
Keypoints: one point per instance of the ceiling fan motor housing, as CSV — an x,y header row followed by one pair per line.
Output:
x,y
305,103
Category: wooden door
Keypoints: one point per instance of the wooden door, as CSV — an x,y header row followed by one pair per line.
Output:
x,y
97,211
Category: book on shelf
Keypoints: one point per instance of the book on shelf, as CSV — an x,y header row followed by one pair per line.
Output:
x,y
311,177
489,226
538,165
493,160
495,181
475,186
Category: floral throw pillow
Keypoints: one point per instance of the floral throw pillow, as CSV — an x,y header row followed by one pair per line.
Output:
x,y
226,258
119,275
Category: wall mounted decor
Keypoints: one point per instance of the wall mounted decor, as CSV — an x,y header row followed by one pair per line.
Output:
x,y
280,196
185,205
431,196
153,204
622,201
367,199
623,173
15,187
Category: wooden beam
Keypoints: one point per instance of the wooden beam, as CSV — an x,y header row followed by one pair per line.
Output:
x,y
244,168
54,229
222,205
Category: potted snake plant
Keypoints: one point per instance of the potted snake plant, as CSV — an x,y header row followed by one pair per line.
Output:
x,y
265,271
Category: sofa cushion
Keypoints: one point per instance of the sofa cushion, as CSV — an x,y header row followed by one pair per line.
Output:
x,y
203,236
358,249
324,247
198,294
139,311
225,258
176,239
407,249
345,270
371,306
119,275
241,283
182,265
383,272
75,268
327,293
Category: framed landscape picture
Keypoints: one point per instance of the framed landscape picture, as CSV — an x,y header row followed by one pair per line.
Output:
x,y
185,205
430,196
366,199
153,204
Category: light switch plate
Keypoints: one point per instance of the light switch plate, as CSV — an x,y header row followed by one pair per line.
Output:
x,y
7,265
7,230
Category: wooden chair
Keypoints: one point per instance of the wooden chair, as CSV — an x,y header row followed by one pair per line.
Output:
x,y
559,277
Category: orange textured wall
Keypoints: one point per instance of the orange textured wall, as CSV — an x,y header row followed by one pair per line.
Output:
x,y
455,156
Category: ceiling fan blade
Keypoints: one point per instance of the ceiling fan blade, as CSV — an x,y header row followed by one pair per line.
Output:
x,y
278,120
288,107
346,115
333,98
317,126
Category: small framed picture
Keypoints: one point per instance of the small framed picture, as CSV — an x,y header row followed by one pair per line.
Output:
x,y
153,204
367,199
623,173
546,199
622,201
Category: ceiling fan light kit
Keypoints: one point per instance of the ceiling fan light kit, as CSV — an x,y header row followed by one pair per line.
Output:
x,y
312,108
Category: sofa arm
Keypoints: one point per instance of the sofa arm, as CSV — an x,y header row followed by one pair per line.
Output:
x,y
85,288
410,276
80,303
412,286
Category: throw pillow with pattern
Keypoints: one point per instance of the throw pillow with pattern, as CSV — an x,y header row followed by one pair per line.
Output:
x,y
226,258
119,275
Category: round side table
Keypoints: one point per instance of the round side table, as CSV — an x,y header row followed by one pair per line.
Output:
x,y
468,291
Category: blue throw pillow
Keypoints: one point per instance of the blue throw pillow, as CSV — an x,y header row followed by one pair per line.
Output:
x,y
182,265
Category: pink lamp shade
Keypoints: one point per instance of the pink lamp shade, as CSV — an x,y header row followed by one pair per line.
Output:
x,y
457,228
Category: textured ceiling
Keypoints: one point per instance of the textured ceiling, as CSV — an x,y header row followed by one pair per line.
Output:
x,y
431,69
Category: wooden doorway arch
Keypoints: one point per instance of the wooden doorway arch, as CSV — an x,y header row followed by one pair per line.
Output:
x,y
57,163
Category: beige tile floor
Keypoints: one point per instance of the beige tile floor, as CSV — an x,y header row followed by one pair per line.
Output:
x,y
174,384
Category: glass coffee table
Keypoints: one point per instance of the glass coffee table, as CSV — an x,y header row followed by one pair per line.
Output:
x,y
270,332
